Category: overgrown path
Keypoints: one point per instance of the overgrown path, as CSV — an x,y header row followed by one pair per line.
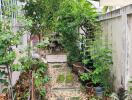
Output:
x,y
64,85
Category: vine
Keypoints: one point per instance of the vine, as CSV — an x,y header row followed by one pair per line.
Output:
x,y
73,15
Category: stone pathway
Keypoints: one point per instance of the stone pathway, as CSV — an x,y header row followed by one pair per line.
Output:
x,y
64,85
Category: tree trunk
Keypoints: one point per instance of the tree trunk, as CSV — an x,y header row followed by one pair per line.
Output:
x,y
33,96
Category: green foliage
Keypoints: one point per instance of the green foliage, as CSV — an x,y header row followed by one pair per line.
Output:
x,y
8,38
38,69
101,57
2,78
72,15
85,76
130,87
43,14
27,62
40,80
43,92
43,44
39,75
102,61
64,17
16,67
85,61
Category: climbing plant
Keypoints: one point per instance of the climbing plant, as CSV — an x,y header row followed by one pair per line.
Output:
x,y
72,16
101,55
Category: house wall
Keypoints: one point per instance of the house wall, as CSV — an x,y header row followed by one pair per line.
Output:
x,y
117,29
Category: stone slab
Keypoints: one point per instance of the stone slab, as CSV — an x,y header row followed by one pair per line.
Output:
x,y
56,58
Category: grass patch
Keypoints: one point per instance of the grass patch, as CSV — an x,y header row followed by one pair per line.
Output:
x,y
56,66
61,78
75,98
69,78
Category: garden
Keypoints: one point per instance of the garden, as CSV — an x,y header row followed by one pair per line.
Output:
x,y
63,27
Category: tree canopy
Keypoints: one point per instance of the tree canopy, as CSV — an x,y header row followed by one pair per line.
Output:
x,y
64,17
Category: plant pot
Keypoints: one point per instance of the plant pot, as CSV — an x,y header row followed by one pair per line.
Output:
x,y
89,88
78,68
99,91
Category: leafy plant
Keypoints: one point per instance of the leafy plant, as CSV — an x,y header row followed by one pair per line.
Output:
x,y
85,76
102,61
8,38
71,16
36,69
43,92
43,44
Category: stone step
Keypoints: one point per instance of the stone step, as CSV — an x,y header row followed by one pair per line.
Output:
x,y
66,89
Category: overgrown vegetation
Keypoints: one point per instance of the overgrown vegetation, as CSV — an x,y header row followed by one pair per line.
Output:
x,y
64,17
7,56
34,71
8,38
60,21
102,61
67,18
72,16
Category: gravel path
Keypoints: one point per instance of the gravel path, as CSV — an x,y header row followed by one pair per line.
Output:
x,y
62,86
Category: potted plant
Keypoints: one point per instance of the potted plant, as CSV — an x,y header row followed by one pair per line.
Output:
x,y
78,68
85,78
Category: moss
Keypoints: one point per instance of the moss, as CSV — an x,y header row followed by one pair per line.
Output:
x,y
61,78
69,78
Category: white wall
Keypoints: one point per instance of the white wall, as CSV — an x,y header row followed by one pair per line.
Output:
x,y
117,29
